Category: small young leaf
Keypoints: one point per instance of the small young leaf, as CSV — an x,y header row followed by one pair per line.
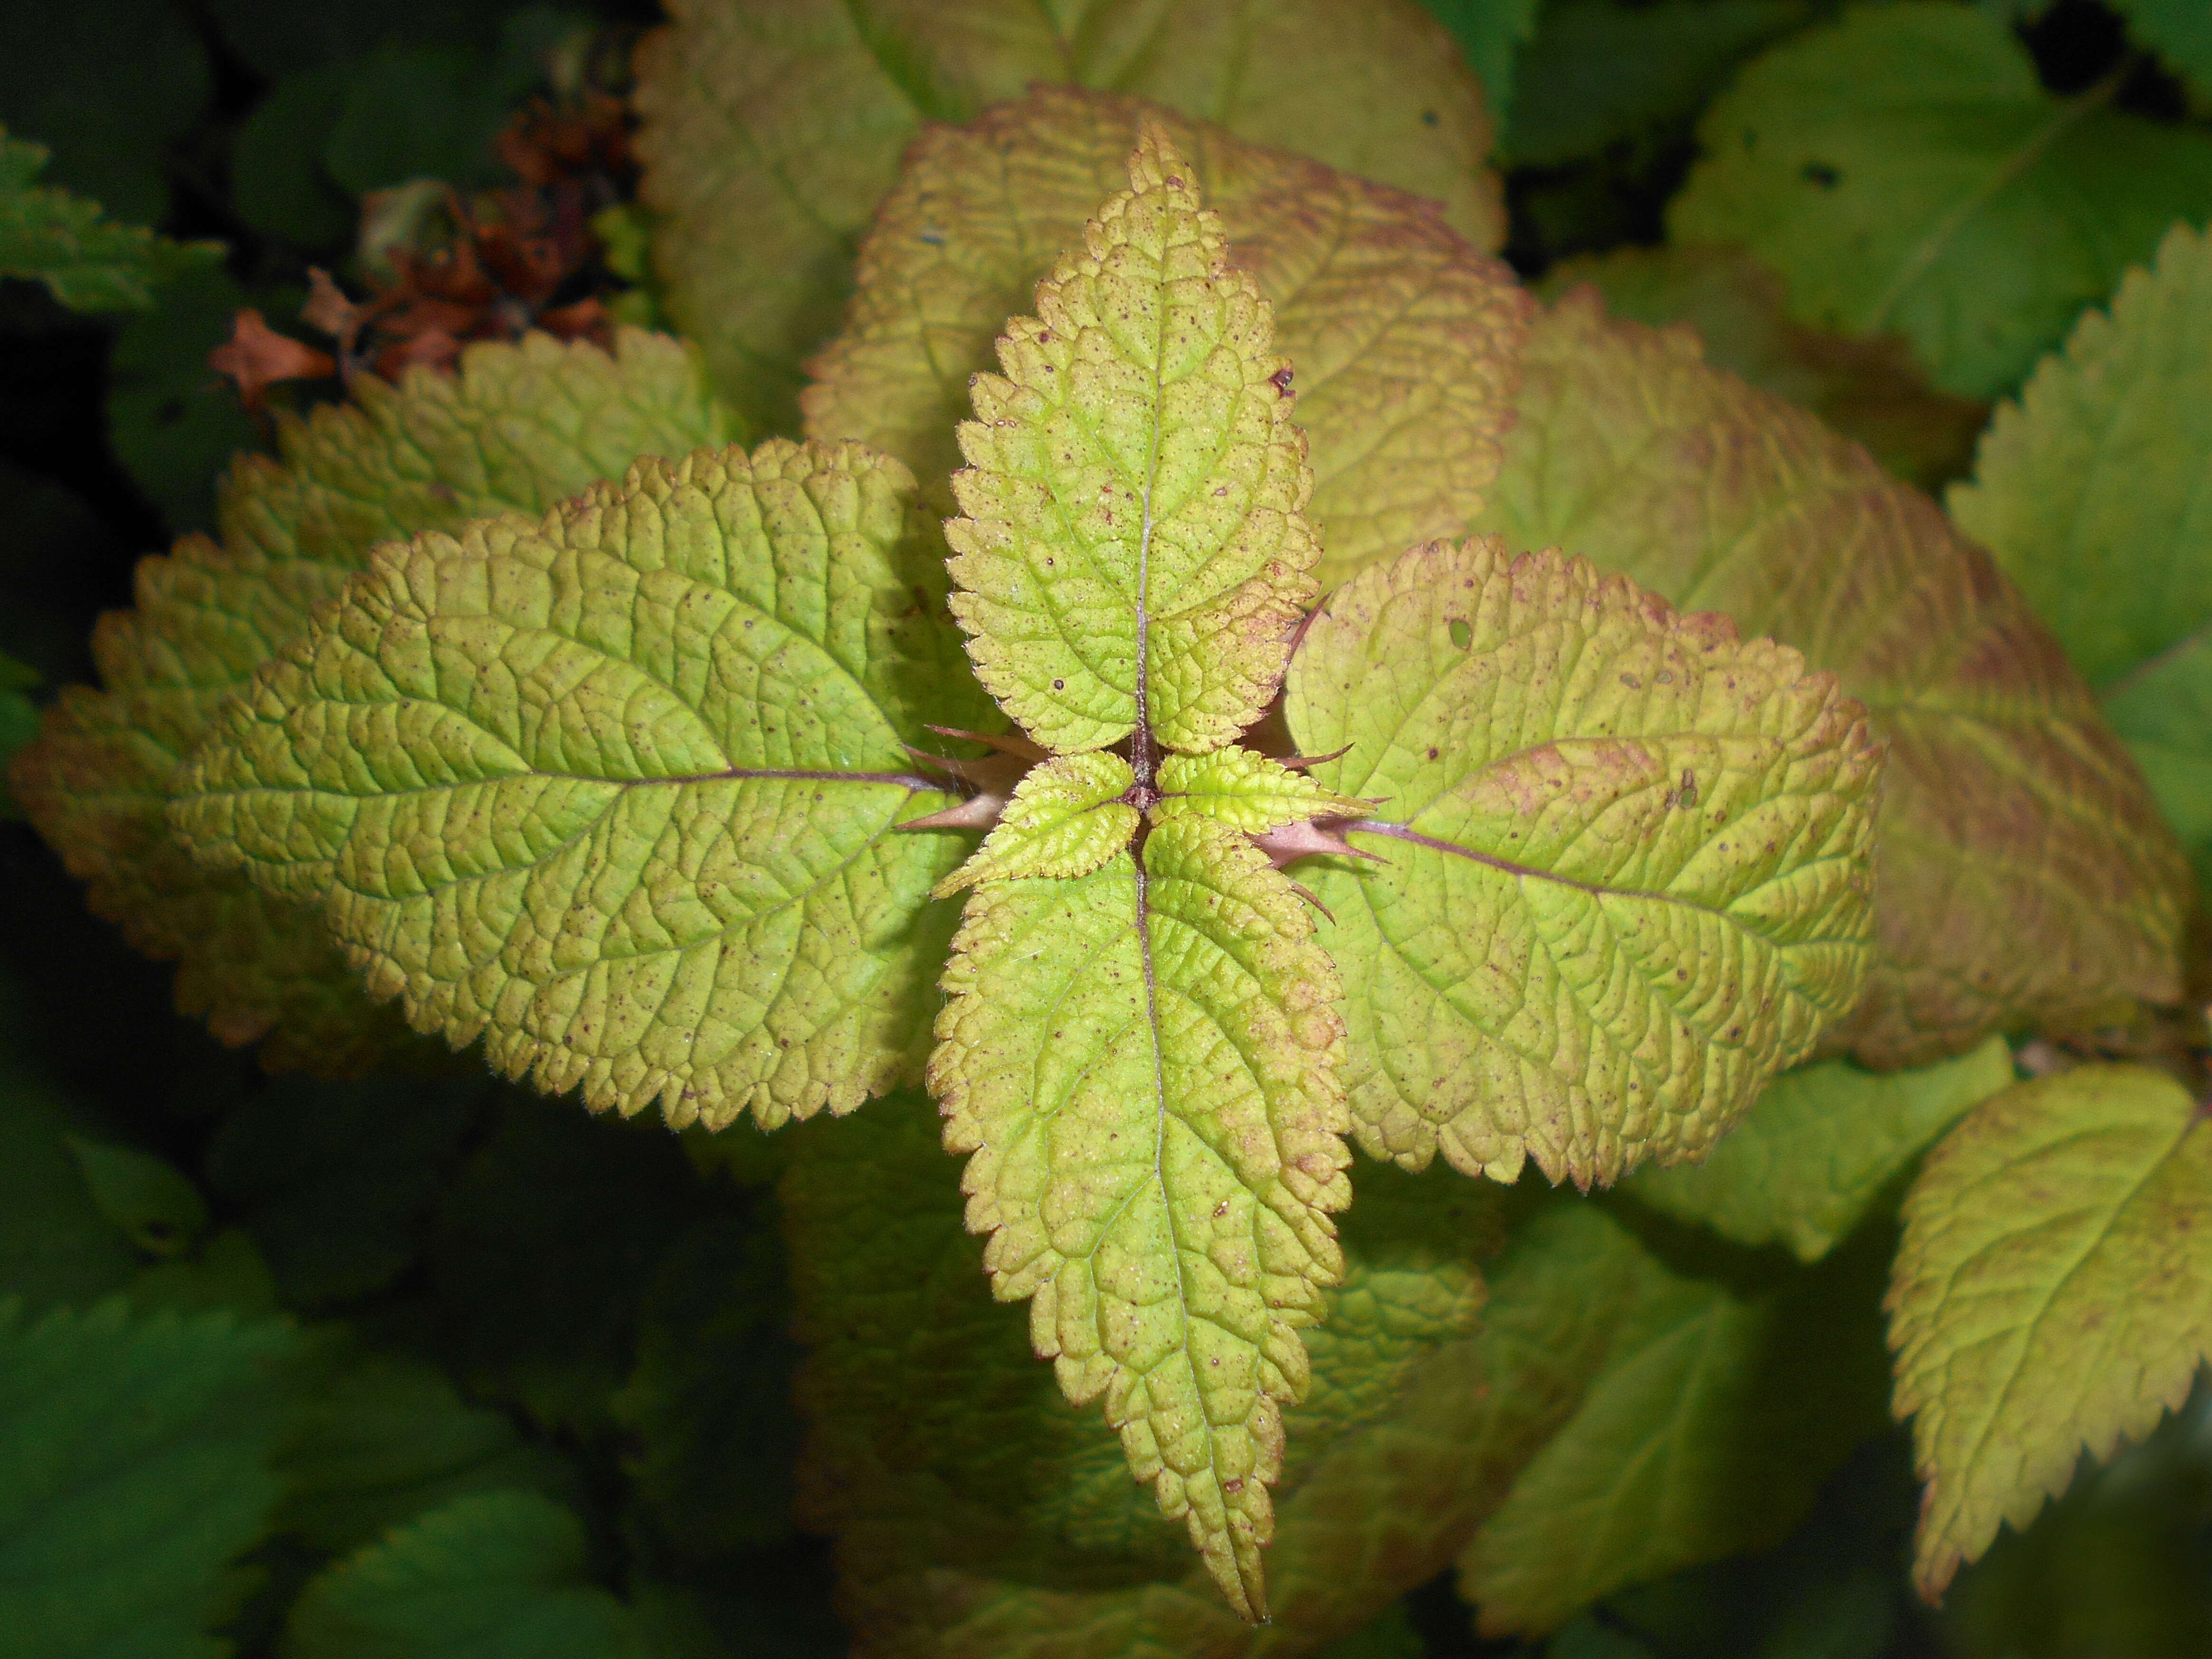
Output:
x,y
2024,876
2053,1293
86,261
1906,172
1067,819
1247,791
617,791
497,1575
134,1474
1627,877
1133,550
1143,1065
516,428
755,239
1402,336
2090,490
1813,1155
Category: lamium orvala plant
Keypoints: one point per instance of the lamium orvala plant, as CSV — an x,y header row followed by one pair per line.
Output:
x,y
1497,943
643,795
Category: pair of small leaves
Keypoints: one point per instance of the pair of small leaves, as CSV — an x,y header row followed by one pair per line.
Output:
x,y
622,791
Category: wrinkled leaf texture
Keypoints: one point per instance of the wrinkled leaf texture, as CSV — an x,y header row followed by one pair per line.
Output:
x,y
616,789
2052,1295
1627,874
1399,334
516,428
773,127
2092,492
2023,874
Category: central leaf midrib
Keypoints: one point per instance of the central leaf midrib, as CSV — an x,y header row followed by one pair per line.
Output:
x,y
1141,746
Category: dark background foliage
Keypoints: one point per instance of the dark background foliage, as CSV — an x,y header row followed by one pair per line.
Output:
x,y
564,1305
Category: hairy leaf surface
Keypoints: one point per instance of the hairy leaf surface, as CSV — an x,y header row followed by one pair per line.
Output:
x,y
517,429
87,261
1133,550
1905,172
1718,1413
1399,334
1811,1158
1627,877
2053,1293
617,791
2023,874
773,127
2094,491
134,1474
1142,1065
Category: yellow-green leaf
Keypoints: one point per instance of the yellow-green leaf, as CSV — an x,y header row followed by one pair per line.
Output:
x,y
617,791
1812,1157
1141,1065
1133,550
2023,874
516,428
2091,491
1067,819
1249,790
772,128
2053,1293
1628,877
1399,334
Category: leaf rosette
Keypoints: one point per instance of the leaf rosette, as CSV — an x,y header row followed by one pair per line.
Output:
x,y
635,793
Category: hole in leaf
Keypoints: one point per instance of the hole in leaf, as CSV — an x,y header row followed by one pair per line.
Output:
x,y
1462,634
1820,173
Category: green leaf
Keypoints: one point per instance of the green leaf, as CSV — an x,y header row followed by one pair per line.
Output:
x,y
19,722
2023,877
56,1245
1905,171
378,1438
1400,335
499,1575
1719,1411
112,89
334,1181
961,1482
2090,490
1133,550
755,239
518,428
133,1475
172,420
1067,817
2053,1294
1812,1156
2178,31
1599,72
153,1205
1870,390
1490,33
618,792
87,261
1627,874
1141,1064
277,180
543,1249
708,1409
